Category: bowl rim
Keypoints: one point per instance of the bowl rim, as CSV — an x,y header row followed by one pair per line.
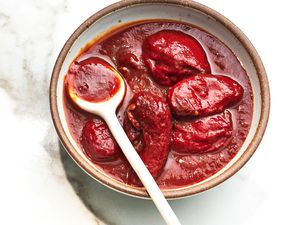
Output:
x,y
184,191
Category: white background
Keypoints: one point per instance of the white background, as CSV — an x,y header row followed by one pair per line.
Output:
x,y
34,188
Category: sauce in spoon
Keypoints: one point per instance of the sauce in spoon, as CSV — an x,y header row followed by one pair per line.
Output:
x,y
86,82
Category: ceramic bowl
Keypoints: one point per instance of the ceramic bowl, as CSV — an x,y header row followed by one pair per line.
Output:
x,y
187,11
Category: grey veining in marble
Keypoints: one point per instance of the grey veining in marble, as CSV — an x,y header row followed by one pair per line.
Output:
x,y
36,188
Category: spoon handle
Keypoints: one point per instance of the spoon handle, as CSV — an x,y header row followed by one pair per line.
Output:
x,y
141,170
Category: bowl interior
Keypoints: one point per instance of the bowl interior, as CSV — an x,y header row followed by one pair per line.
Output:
x,y
99,24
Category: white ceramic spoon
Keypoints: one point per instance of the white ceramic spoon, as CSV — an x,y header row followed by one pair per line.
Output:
x,y
107,110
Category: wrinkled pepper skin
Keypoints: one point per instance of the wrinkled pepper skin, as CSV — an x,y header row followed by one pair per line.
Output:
x,y
204,95
98,142
149,127
172,56
204,135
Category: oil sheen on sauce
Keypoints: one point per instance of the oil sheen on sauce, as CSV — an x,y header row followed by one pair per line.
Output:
x,y
123,48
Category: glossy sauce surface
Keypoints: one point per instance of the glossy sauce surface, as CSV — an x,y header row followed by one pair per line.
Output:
x,y
123,49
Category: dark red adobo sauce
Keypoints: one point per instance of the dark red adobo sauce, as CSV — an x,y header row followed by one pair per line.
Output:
x,y
187,109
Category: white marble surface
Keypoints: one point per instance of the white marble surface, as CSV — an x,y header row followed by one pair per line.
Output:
x,y
40,184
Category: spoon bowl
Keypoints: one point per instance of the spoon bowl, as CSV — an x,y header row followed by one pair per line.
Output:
x,y
105,108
